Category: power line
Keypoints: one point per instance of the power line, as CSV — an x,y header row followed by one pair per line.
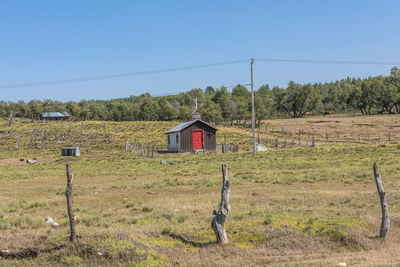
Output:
x,y
328,61
112,76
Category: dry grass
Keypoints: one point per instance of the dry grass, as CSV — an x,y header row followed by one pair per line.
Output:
x,y
347,127
299,206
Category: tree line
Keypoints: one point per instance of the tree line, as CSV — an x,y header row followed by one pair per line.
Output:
x,y
372,95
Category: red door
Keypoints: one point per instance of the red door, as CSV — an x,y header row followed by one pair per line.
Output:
x,y
197,137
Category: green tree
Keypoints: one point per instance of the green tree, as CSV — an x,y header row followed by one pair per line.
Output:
x,y
210,111
297,99
149,110
167,112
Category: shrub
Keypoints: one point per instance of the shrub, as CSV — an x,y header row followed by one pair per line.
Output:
x,y
182,218
268,219
166,231
72,260
147,209
129,205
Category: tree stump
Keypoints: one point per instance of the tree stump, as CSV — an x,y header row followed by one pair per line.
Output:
x,y
382,195
219,218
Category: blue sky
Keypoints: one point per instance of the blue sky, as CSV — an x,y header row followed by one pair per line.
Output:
x,y
52,40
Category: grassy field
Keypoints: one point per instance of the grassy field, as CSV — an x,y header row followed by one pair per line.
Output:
x,y
293,206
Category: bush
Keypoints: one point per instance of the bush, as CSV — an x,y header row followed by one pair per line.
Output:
x,y
268,219
166,231
182,218
147,209
72,260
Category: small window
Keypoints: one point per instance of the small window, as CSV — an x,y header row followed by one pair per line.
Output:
x,y
169,141
177,138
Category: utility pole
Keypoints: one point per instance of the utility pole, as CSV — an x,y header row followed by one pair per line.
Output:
x,y
253,121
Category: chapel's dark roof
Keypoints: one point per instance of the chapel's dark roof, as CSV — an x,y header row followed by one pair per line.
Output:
x,y
184,125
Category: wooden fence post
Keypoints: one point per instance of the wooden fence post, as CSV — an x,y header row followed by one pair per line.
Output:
x,y
389,136
292,142
299,138
10,119
68,194
219,218
313,141
382,195
135,146
358,137
326,136
276,143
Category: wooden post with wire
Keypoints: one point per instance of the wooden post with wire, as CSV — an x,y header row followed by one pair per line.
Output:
x,y
219,218
385,211
68,194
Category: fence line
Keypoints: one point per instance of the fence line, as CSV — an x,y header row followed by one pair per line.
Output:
x,y
306,137
147,150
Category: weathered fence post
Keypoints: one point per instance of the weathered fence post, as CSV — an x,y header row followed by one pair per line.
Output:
x,y
219,218
382,195
299,137
10,119
276,143
389,136
292,142
68,194
152,151
326,136
284,144
313,141
358,137
135,146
